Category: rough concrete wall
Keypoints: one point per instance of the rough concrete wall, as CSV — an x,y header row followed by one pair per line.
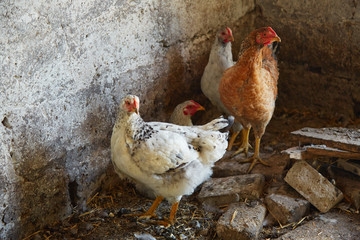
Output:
x,y
319,55
64,67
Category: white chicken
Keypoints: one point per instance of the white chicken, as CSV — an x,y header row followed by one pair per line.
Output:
x,y
220,59
184,111
171,160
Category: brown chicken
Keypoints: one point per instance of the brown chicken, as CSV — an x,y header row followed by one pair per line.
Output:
x,y
249,88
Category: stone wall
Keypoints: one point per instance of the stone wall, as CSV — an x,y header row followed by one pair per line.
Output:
x,y
64,67
319,54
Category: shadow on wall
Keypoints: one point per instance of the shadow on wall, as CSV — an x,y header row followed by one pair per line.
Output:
x,y
42,187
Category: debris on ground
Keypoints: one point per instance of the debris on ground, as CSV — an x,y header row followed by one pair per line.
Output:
x,y
332,225
352,167
312,151
221,191
241,221
286,208
341,138
278,211
349,184
314,187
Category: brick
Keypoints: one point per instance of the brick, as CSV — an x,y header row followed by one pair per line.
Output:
x,y
220,191
232,166
277,162
286,208
229,168
313,186
241,222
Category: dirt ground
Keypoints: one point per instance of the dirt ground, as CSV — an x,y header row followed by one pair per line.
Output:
x,y
105,216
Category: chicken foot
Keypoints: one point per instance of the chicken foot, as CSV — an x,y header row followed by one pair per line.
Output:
x,y
167,222
256,157
150,212
244,147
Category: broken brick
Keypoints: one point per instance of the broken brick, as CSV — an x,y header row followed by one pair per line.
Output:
x,y
241,221
220,191
286,208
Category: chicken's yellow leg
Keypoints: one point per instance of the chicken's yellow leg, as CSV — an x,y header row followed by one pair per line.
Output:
x,y
171,220
256,157
173,211
232,140
151,211
244,147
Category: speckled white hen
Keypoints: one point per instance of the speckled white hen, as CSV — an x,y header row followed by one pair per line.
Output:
x,y
171,160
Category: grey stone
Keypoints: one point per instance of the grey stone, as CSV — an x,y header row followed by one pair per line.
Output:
x,y
64,68
241,222
313,186
286,208
276,170
331,225
231,166
220,191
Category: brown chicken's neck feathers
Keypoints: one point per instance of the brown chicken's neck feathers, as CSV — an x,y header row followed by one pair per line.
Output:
x,y
251,57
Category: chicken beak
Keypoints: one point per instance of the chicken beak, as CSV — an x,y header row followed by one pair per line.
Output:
x,y
136,111
276,39
200,108
231,39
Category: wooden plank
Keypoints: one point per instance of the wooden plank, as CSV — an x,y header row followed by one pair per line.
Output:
x,y
323,150
308,152
350,167
341,138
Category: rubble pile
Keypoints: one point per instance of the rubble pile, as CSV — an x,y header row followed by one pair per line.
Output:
x,y
300,187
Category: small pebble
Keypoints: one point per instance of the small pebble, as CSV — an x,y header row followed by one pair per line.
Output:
x,y
89,227
111,215
144,236
122,211
37,237
268,148
103,214
172,236
182,236
74,231
196,224
85,227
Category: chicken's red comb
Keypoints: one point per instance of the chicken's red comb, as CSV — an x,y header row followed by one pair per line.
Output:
x,y
193,102
272,31
135,102
229,31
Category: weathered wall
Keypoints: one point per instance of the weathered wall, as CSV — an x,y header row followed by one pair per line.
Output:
x,y
319,55
64,66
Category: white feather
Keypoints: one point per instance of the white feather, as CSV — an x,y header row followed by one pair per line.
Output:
x,y
171,160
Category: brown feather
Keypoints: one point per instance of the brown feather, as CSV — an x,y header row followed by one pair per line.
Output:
x,y
249,88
